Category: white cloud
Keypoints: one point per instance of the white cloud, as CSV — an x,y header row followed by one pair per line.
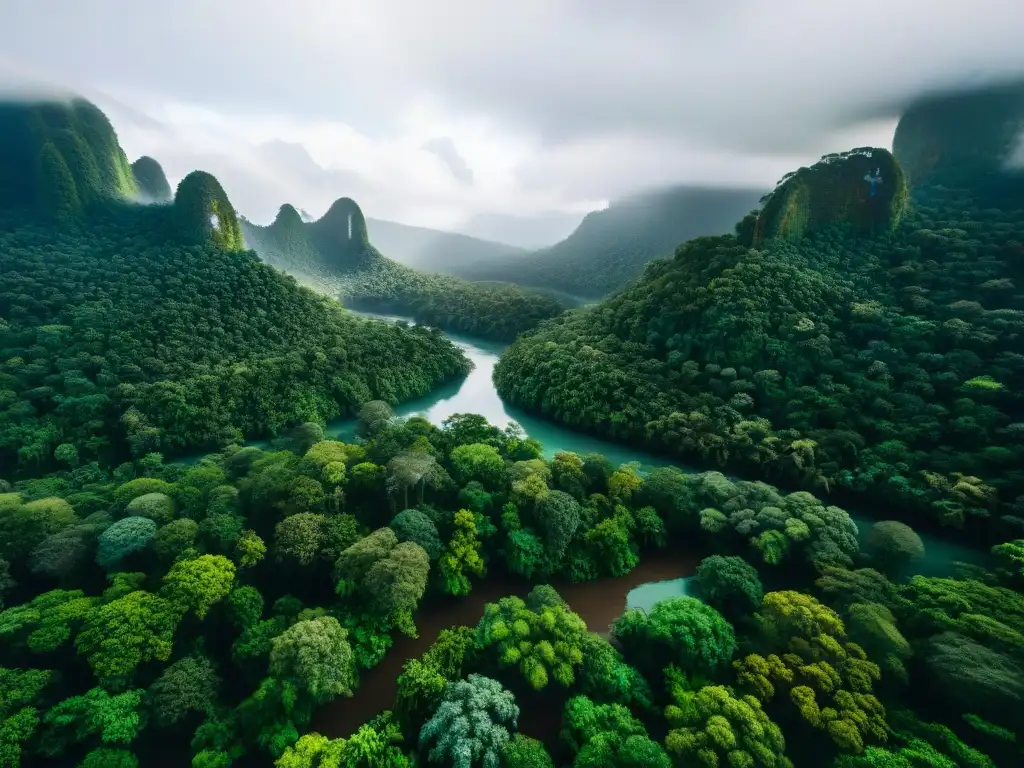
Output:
x,y
264,160
555,105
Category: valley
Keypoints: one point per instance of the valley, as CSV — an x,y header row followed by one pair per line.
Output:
x,y
724,478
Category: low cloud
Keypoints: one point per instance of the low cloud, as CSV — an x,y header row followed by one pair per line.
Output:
x,y
444,148
1015,159
554,106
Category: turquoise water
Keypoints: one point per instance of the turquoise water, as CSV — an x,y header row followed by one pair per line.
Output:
x,y
646,596
476,394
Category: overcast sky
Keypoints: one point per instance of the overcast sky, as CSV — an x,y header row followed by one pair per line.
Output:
x,y
450,113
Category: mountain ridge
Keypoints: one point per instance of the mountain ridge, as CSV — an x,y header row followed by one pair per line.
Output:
x,y
435,250
610,247
342,262
129,329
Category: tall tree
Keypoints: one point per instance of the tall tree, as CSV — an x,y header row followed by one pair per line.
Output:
x,y
472,724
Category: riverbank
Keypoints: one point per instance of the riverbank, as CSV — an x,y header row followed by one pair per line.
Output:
x,y
597,602
476,394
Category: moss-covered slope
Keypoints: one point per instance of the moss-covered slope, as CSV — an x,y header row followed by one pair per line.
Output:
x,y
151,180
864,189
57,158
334,255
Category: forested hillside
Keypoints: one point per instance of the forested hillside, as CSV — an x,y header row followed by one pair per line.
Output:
x,y
860,332
59,158
127,329
334,255
611,247
868,343
151,181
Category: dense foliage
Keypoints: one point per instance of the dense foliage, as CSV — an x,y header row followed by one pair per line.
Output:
x,y
59,158
149,605
337,259
117,340
888,366
610,248
151,609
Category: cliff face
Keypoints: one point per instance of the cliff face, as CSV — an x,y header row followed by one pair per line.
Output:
x,y
204,212
961,140
864,189
58,158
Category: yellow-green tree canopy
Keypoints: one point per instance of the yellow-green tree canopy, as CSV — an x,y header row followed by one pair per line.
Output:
x,y
542,639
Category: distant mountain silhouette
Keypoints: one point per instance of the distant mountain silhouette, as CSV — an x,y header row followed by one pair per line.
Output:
x,y
532,232
434,250
972,139
611,247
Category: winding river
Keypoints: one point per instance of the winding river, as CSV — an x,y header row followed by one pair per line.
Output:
x,y
598,603
476,394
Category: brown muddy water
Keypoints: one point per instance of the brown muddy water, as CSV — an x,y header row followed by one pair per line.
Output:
x,y
598,602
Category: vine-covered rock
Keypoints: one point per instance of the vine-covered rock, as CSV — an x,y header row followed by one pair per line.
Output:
x,y
205,214
864,188
151,180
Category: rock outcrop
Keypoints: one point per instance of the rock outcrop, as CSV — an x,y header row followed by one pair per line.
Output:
x,y
204,213
340,235
864,189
